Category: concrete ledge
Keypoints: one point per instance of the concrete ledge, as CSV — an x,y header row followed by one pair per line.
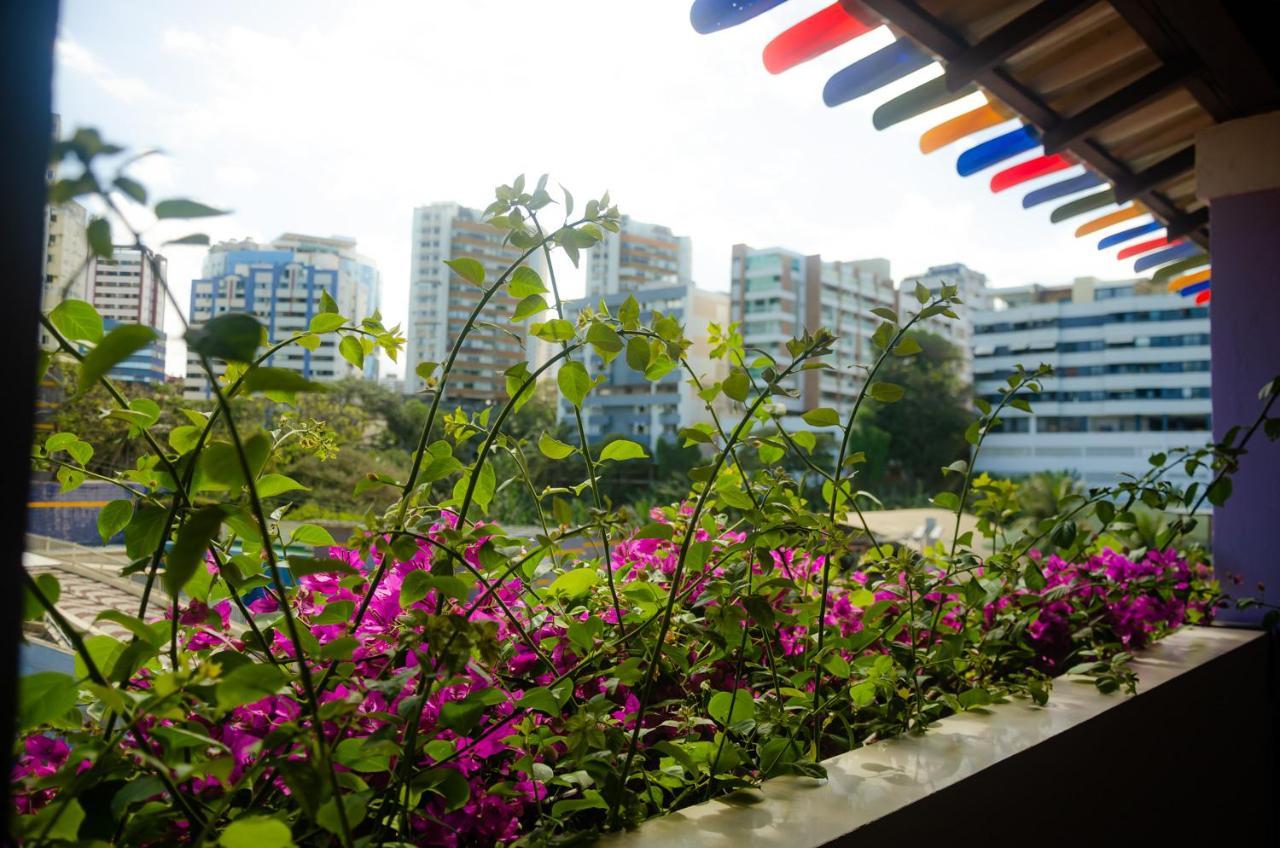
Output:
x,y
1087,768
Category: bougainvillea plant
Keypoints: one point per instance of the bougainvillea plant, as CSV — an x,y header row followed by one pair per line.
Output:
x,y
437,680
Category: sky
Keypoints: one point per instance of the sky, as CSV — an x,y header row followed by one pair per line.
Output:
x,y
338,118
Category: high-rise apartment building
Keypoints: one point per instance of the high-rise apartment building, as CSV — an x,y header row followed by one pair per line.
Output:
x,y
128,288
778,294
66,258
636,257
649,411
281,285
440,302
972,287
1131,378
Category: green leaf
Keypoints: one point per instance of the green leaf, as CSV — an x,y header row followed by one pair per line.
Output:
x,y
233,337
805,439
729,708
263,379
327,303
154,637
461,716
132,188
623,449
947,500
194,238
638,353
188,551
44,697
655,530
270,485
305,566
98,234
248,683
555,330
922,293
574,382
113,518
365,755
256,832
531,305
1219,491
605,340
313,535
142,536
114,347
540,698
737,384
553,448
485,486
821,417
183,208
575,584
451,786
886,392
468,269
56,822
77,320
525,282
48,585
326,322
352,350
908,346
356,807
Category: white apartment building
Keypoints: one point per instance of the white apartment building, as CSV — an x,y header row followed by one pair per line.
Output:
x,y
639,255
281,285
1131,377
66,258
972,287
778,294
127,288
440,302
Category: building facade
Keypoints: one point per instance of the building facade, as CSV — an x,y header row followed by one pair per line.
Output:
x,y
440,302
649,411
636,257
1131,377
281,285
129,287
66,258
778,294
972,287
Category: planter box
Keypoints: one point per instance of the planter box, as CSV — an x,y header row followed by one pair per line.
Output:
x,y
1190,758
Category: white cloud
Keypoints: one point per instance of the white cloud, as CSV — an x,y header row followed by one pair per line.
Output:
x,y
339,118
75,57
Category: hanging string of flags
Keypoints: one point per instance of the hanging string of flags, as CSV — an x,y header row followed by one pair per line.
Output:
x,y
1180,263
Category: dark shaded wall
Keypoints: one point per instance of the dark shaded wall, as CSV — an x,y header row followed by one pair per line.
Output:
x,y
1245,319
27,29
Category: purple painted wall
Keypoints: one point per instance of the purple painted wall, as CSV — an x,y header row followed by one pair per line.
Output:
x,y
1245,342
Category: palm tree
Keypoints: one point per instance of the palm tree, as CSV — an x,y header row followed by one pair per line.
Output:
x,y
1042,493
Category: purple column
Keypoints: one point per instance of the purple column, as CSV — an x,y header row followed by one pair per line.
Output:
x,y
1244,317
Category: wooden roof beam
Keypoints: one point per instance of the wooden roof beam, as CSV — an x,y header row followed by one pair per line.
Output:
x,y
1113,107
1157,175
1190,224
1022,31
944,42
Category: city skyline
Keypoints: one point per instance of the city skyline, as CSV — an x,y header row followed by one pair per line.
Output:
x,y
359,156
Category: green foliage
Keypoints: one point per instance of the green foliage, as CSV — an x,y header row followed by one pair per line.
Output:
x,y
703,608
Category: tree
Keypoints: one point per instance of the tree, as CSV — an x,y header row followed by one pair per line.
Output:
x,y
926,428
